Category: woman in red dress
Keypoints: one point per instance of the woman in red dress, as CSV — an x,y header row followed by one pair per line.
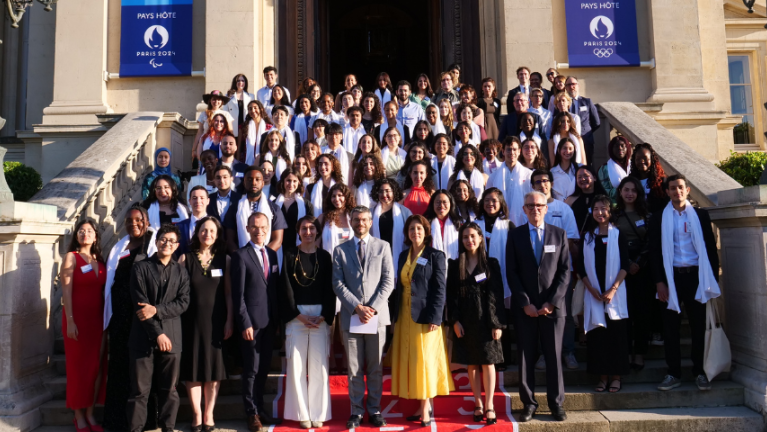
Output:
x,y
419,187
83,276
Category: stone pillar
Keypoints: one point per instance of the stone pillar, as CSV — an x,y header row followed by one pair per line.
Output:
x,y
29,237
741,218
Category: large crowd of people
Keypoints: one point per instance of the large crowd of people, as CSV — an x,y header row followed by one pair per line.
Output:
x,y
414,228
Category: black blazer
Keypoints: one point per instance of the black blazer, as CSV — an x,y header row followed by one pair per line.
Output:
x,y
497,114
184,240
534,284
212,208
254,298
509,126
589,115
510,99
405,139
145,288
654,232
427,289
492,310
288,287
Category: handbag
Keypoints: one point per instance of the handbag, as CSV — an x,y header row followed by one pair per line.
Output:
x,y
578,293
716,355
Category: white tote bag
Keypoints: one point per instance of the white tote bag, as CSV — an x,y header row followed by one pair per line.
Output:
x,y
578,293
716,354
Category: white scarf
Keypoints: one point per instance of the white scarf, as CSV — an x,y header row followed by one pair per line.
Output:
x,y
362,194
489,169
448,244
477,181
317,196
154,222
497,248
400,156
535,137
397,236
616,172
708,287
331,234
112,262
443,176
384,127
593,309
476,136
576,144
438,128
457,148
290,141
281,165
243,213
300,126
386,97
301,209
253,140
343,158
514,184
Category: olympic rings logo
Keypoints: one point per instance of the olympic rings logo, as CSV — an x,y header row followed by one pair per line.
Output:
x,y
603,52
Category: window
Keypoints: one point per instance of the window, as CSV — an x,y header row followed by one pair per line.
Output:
x,y
741,99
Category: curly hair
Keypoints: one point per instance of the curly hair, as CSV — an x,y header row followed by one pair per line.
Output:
x,y
503,214
612,147
474,109
336,174
468,88
458,128
397,194
539,162
212,134
495,87
428,183
459,159
330,212
471,204
405,170
282,150
656,176
358,154
312,104
261,112
375,113
380,170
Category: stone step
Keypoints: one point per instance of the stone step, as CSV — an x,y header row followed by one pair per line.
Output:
x,y
578,399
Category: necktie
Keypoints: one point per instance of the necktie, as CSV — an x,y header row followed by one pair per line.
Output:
x,y
537,246
265,263
361,253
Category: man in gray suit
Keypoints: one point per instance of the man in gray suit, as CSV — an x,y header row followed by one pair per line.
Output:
x,y
363,279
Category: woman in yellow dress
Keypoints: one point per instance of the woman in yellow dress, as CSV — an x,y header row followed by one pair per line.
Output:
x,y
420,369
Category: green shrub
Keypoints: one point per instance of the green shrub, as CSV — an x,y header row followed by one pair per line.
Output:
x,y
24,181
745,168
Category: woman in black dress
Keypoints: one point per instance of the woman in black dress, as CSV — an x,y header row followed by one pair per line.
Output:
x,y
475,308
293,206
605,310
208,321
118,315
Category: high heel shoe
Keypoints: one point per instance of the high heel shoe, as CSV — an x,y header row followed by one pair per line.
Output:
x,y
94,427
490,421
418,417
425,423
79,429
478,418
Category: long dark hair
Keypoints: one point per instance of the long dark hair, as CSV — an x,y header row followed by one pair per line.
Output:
x,y
612,146
657,175
592,225
287,172
558,157
429,90
376,111
233,87
503,213
481,252
285,99
219,246
429,137
428,182
174,196
312,104
74,244
330,212
397,194
471,204
385,76
405,170
598,188
452,214
640,205
359,176
459,159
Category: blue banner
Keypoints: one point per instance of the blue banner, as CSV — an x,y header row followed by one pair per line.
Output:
x,y
156,38
602,33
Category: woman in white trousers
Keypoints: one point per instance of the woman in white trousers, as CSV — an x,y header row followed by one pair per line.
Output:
x,y
307,305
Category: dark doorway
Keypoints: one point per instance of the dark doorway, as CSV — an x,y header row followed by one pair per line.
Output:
x,y
400,37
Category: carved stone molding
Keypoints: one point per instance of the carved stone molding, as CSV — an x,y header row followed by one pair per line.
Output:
x,y
457,28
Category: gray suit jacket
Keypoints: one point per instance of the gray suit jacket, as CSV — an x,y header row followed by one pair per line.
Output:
x,y
370,286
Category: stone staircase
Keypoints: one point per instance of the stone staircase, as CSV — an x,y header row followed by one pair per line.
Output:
x,y
639,406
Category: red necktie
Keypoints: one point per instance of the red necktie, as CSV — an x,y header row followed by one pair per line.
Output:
x,y
265,264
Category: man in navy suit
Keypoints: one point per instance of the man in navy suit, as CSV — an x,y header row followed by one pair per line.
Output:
x,y
588,113
510,125
523,75
254,293
198,202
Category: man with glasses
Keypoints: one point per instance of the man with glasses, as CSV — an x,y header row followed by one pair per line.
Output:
x,y
560,215
551,74
588,114
513,179
538,271
537,99
510,125
159,289
536,82
446,90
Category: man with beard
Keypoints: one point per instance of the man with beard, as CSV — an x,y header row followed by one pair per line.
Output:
x,y
409,113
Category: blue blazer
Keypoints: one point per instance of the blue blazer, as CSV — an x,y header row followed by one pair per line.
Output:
x,y
254,297
184,240
427,288
212,209
588,114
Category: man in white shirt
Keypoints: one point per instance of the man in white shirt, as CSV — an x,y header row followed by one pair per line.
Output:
x,y
409,113
264,94
560,215
537,97
326,111
198,202
513,180
335,136
354,130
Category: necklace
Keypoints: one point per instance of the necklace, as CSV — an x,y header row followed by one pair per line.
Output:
x,y
206,266
303,272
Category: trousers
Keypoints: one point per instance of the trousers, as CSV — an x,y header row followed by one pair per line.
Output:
x,y
256,361
364,352
307,351
686,287
547,331
144,369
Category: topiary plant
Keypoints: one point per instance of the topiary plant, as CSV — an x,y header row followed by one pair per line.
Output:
x,y
745,168
24,181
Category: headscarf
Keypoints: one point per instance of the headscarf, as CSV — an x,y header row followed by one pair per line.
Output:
x,y
158,170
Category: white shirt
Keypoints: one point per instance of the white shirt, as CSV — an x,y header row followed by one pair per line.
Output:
x,y
546,119
257,248
684,251
223,202
357,242
192,223
410,114
264,94
564,183
561,215
352,138
333,117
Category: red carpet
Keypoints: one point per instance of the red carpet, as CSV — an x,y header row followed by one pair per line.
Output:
x,y
451,413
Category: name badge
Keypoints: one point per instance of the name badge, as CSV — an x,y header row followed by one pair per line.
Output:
x,y
275,268
216,273
239,174
480,277
556,214
685,227
124,254
86,268
495,104
583,108
422,261
640,222
549,248
604,240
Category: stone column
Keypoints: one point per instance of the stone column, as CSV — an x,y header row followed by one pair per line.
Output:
x,y
741,218
29,236
79,89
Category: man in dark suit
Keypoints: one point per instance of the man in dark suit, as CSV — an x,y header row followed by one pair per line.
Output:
x,y
198,202
538,271
685,263
588,114
254,293
523,75
222,200
510,126
159,289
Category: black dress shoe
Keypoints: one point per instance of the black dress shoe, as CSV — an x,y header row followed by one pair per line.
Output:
x,y
377,420
269,420
527,413
559,413
353,422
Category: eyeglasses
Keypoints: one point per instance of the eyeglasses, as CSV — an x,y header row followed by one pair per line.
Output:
x,y
535,206
241,80
572,84
84,232
167,241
